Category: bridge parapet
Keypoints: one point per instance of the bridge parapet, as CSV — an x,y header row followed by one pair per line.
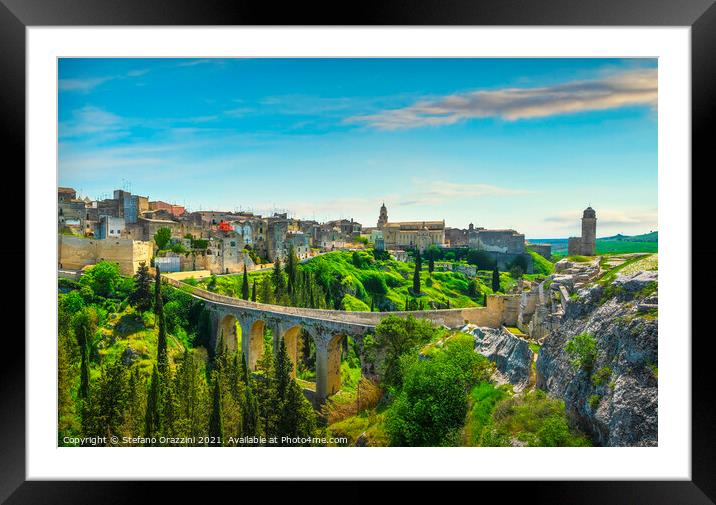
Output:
x,y
491,316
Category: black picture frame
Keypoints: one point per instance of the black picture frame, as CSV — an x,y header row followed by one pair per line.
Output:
x,y
16,15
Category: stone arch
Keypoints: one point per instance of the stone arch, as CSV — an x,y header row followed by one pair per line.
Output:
x,y
254,346
290,338
328,365
227,327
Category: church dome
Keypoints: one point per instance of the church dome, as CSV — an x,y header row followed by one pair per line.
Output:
x,y
589,212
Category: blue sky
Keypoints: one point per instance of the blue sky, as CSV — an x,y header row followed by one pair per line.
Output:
x,y
501,143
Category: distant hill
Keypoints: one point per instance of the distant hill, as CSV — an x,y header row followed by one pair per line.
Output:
x,y
645,237
646,242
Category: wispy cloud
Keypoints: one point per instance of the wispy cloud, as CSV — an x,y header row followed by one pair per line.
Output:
x,y
85,85
635,87
93,121
435,192
82,85
612,218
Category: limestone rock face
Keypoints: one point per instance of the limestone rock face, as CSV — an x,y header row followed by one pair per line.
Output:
x,y
636,281
616,401
511,354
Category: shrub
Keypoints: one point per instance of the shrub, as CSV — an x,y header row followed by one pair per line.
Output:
x,y
394,337
161,237
602,376
582,350
102,278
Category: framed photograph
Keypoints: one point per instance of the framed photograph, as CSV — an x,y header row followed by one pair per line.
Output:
x,y
436,245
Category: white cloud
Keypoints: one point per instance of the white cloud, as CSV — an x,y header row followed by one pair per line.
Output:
x,y
634,87
91,120
85,85
611,219
435,192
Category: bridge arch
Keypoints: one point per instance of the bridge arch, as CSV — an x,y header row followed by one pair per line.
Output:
x,y
291,337
328,364
254,343
227,329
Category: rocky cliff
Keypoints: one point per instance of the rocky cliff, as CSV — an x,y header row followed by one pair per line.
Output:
x,y
512,355
612,395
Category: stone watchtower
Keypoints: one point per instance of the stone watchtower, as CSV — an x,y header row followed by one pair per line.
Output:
x,y
586,245
589,232
383,217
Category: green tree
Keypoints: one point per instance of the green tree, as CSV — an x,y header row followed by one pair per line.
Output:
x,y
103,278
250,412
85,326
216,423
266,392
266,295
283,367
162,237
416,274
297,418
66,416
496,280
374,283
110,396
431,406
152,418
394,337
431,264
253,291
291,267
162,333
141,297
245,285
278,279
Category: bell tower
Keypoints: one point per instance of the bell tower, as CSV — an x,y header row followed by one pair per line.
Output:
x,y
383,217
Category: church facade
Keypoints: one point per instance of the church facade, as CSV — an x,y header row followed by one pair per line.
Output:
x,y
410,234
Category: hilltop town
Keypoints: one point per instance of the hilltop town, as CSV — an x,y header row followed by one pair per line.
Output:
x,y
125,228
319,294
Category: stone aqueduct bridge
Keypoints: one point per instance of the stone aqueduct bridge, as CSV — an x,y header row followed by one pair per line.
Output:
x,y
327,328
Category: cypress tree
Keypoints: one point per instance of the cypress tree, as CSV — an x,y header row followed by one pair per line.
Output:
x,y
267,291
431,264
495,280
279,283
250,413
416,275
253,291
84,327
157,287
245,285
152,418
216,424
291,262
282,371
162,335
418,260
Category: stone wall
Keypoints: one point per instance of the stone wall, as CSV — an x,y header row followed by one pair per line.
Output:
x,y
75,253
502,241
544,250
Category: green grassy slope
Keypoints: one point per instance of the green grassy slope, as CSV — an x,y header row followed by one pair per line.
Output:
x,y
443,287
